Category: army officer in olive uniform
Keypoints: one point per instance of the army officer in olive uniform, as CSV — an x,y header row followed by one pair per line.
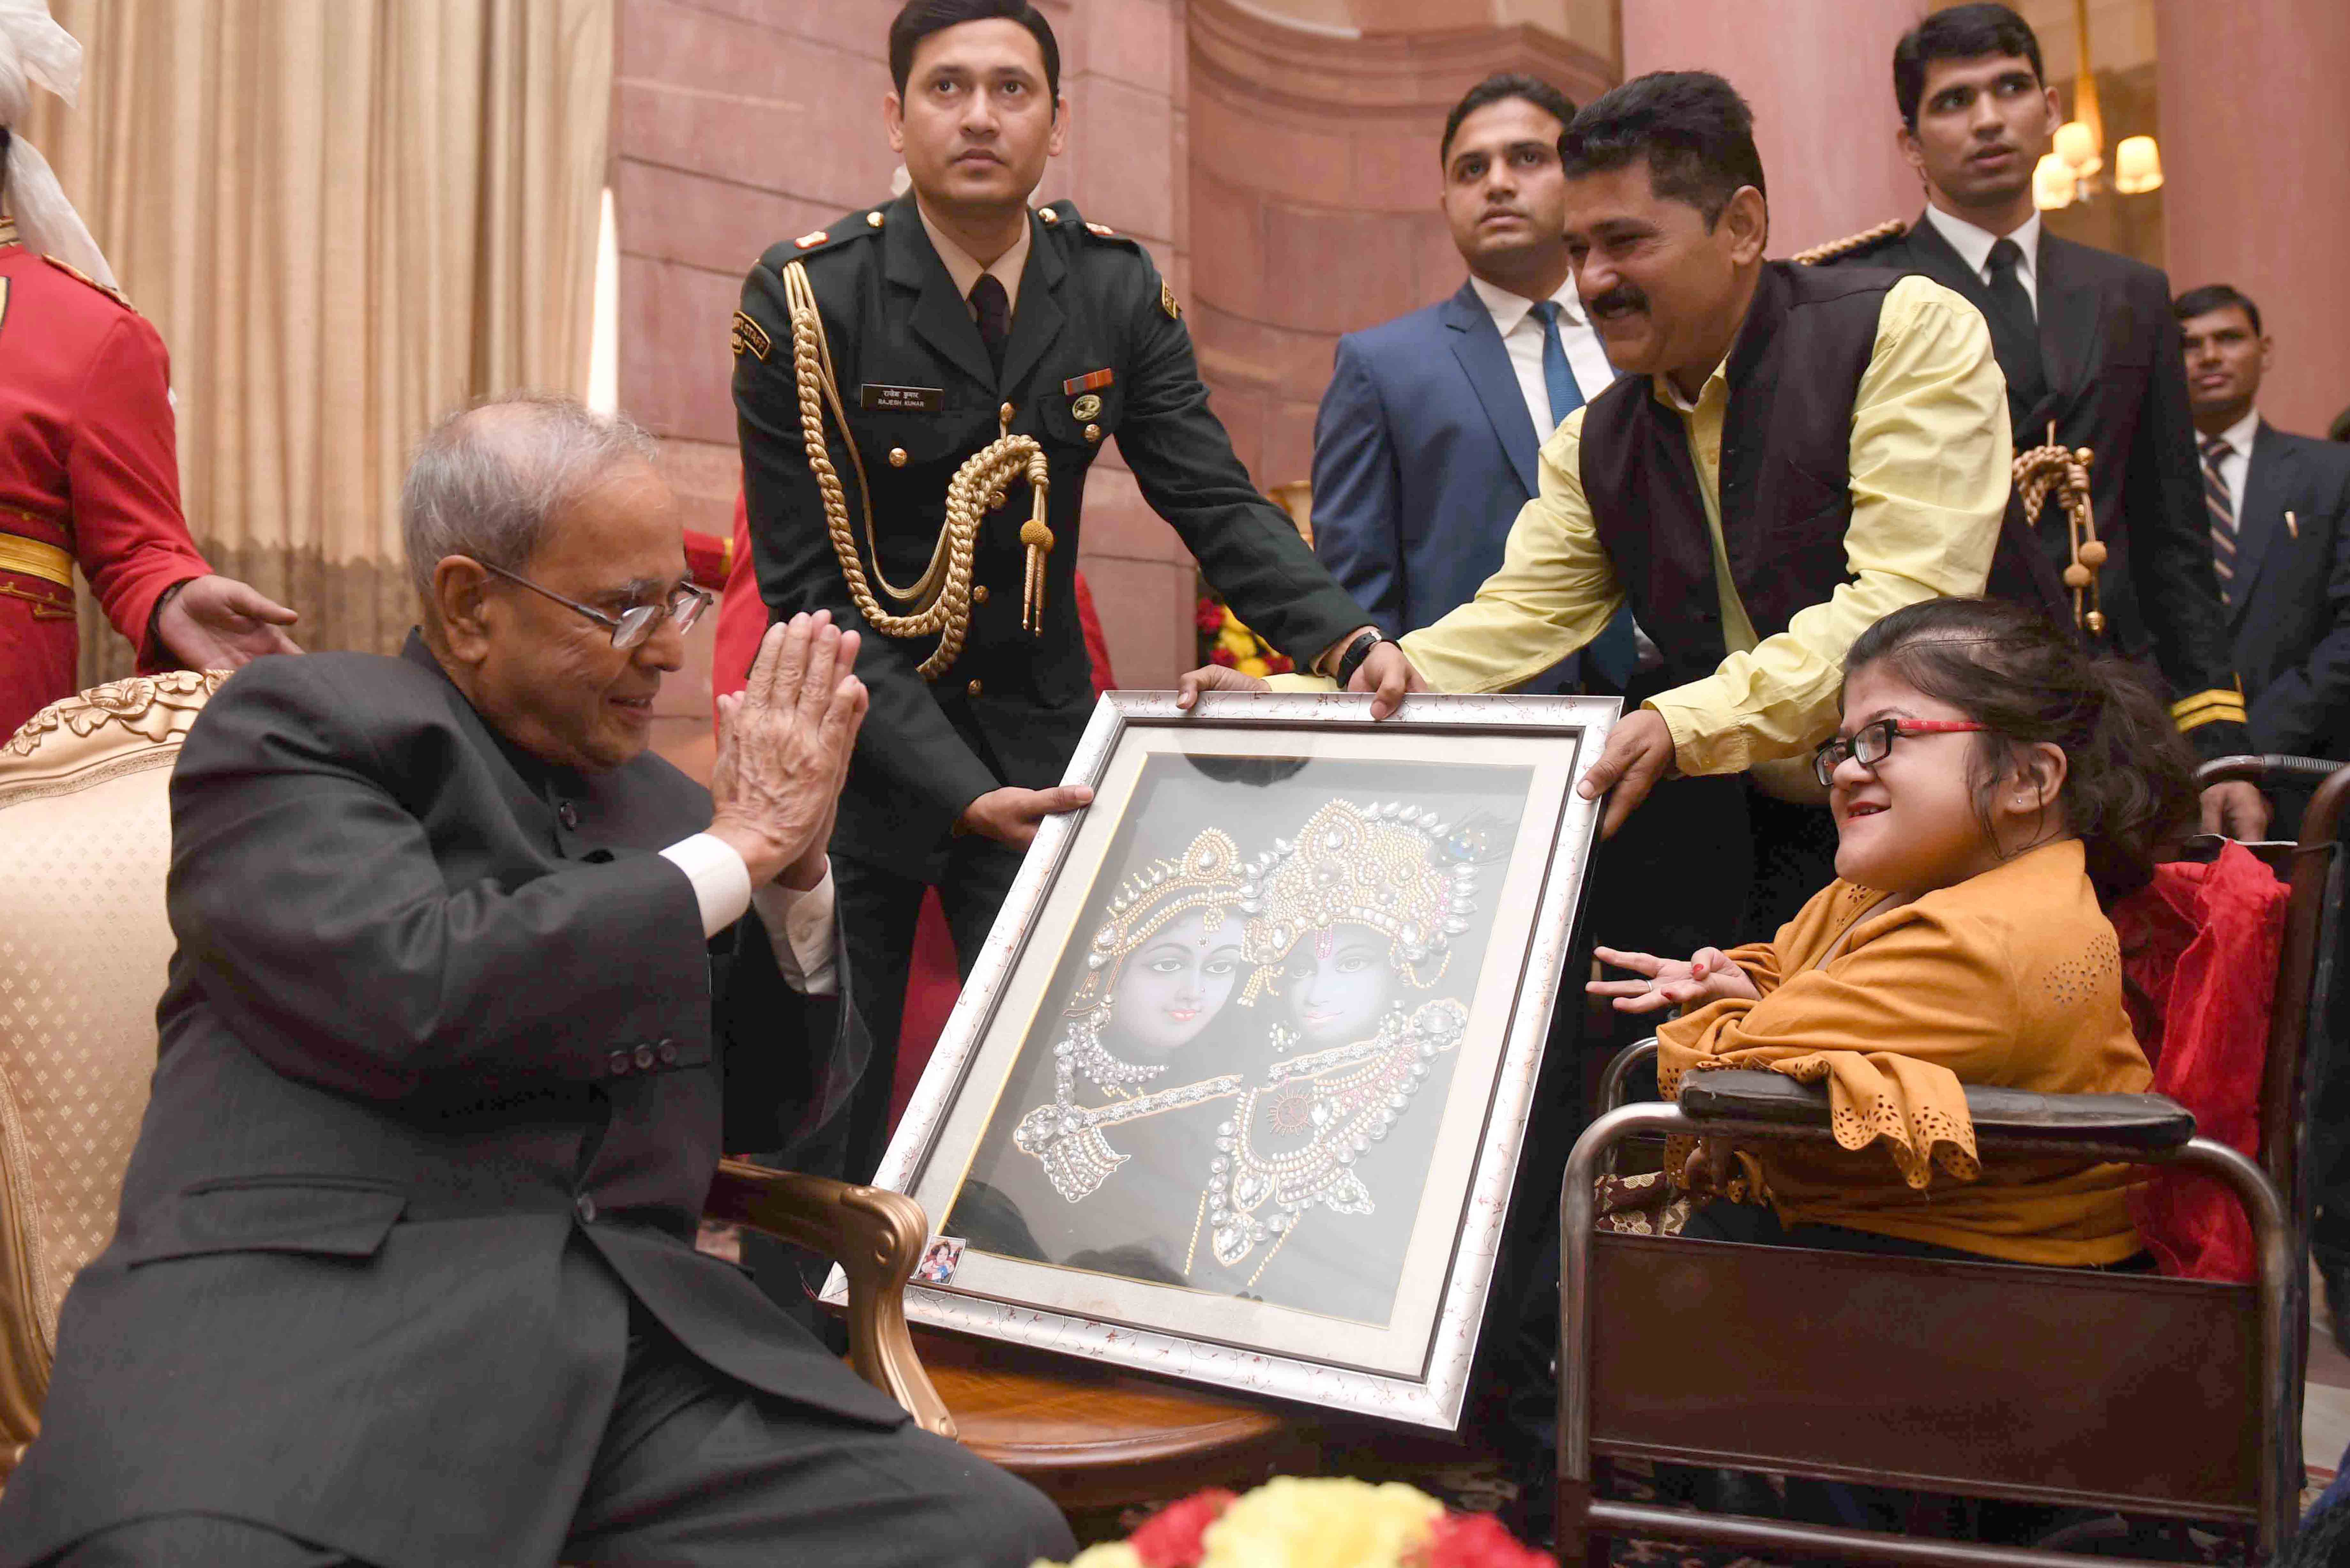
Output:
x,y
952,318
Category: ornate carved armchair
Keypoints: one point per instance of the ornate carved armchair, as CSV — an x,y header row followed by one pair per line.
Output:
x,y
85,839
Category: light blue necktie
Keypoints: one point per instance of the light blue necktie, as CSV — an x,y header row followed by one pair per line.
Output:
x,y
1558,377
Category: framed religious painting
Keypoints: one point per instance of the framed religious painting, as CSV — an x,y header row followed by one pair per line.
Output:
x,y
1236,1091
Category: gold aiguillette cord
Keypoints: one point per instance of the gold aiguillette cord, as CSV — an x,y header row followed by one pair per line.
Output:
x,y
940,600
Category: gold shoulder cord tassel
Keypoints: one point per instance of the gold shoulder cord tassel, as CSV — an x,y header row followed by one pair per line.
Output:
x,y
940,600
2066,473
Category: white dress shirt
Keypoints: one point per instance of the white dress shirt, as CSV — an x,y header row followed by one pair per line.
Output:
x,y
1522,335
2237,466
965,270
799,924
1974,245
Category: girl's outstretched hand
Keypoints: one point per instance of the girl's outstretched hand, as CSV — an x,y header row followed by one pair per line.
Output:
x,y
1706,976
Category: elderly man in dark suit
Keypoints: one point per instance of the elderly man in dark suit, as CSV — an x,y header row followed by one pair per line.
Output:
x,y
2086,340
470,993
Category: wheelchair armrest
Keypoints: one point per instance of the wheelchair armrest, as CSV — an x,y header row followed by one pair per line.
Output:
x,y
2007,1118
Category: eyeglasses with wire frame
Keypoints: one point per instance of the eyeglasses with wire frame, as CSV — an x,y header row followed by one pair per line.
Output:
x,y
1871,743
636,623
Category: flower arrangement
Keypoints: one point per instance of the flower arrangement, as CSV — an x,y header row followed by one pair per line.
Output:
x,y
1294,1522
1231,643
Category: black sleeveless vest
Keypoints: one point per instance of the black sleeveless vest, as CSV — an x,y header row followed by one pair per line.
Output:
x,y
1786,444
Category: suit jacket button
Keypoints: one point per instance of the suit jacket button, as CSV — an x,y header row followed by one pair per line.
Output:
x,y
617,1064
974,689
979,593
567,814
896,457
1093,432
669,1053
645,1058
584,1207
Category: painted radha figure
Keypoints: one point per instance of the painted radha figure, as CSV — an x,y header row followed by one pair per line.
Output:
x,y
1134,1058
1279,1154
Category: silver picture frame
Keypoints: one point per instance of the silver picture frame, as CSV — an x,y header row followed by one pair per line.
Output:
x,y
1413,1364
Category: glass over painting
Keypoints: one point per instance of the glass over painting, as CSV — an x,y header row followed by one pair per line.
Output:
x,y
1235,1081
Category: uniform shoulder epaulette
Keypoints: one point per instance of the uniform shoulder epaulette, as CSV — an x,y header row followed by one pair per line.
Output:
x,y
1861,244
75,272
1062,216
863,224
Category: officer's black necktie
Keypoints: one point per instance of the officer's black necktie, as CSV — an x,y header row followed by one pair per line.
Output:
x,y
994,308
2015,332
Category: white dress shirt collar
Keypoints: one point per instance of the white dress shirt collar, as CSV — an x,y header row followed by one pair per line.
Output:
x,y
1508,309
965,271
2238,436
1973,244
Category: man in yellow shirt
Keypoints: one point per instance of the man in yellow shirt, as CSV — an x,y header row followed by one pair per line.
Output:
x,y
1793,454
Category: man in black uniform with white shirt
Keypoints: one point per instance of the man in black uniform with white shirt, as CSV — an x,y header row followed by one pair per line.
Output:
x,y
934,328
2087,341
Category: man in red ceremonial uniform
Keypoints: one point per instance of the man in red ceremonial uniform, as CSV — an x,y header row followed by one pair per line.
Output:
x,y
88,473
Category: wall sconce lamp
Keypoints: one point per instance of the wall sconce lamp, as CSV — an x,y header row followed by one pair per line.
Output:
x,y
2137,166
2069,173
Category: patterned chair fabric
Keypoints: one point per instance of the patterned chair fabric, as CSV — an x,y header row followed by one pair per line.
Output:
x,y
85,837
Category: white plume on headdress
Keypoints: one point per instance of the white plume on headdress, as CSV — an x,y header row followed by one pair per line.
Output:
x,y
36,52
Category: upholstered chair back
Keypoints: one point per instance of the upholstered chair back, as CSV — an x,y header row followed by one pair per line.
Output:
x,y
85,839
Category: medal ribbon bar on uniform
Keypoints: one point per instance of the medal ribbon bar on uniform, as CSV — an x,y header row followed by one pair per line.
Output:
x,y
1092,380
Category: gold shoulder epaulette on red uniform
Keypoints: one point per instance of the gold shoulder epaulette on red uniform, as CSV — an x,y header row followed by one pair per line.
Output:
x,y
71,271
1853,244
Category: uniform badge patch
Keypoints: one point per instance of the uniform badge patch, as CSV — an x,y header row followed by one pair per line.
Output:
x,y
1085,408
1104,230
750,337
809,242
1167,301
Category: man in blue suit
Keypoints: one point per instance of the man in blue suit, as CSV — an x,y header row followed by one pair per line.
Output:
x,y
1427,438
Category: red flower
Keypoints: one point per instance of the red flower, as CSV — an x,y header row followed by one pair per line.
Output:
x,y
1279,663
1172,1537
1208,614
1221,655
1479,1540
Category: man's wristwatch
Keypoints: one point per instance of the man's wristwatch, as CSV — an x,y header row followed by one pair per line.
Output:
x,y
1357,651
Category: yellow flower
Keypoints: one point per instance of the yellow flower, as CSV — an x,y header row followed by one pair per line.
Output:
x,y
1111,1554
1253,666
1233,622
1239,640
1294,1522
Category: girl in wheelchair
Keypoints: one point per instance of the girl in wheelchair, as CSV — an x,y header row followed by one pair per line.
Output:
x,y
1994,788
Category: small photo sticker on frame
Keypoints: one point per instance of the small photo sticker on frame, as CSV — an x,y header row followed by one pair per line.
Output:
x,y
939,1261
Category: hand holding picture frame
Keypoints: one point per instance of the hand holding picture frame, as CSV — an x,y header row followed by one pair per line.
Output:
x,y
1237,1088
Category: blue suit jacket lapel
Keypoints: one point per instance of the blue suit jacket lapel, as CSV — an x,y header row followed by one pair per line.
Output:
x,y
2267,481
1478,346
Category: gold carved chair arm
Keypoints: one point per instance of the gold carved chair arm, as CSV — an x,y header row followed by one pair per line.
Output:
x,y
877,1237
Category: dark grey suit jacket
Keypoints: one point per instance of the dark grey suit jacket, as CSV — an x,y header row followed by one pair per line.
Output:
x,y
2291,622
446,1066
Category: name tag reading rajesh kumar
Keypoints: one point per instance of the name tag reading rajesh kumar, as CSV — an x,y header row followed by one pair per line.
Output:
x,y
901,400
